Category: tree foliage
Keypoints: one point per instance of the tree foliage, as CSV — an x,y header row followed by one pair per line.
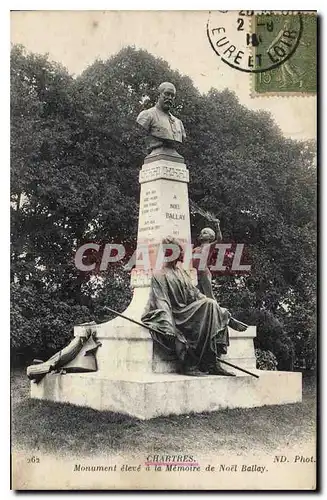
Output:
x,y
75,157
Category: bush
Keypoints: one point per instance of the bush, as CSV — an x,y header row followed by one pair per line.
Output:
x,y
271,336
114,291
266,360
41,323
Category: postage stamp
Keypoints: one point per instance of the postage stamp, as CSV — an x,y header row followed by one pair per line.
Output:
x,y
163,253
297,73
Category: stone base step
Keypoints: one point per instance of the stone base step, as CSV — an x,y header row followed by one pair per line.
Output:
x,y
150,395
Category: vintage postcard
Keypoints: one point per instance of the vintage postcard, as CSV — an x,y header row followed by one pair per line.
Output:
x,y
163,258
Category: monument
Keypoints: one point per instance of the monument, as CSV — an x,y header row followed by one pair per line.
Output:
x,y
133,375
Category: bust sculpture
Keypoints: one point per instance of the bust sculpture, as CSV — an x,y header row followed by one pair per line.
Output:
x,y
163,129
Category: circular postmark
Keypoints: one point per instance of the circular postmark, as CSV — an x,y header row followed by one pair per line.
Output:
x,y
254,42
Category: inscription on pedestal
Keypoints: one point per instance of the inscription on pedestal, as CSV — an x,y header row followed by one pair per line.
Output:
x,y
163,212
140,278
163,171
149,210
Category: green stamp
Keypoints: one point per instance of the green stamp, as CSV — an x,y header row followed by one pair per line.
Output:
x,y
287,46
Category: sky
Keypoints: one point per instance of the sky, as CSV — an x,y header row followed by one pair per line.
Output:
x,y
77,38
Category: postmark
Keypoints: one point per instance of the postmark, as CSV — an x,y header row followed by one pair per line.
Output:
x,y
237,45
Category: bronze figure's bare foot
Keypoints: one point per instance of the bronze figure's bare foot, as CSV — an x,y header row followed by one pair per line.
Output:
x,y
217,369
237,325
194,373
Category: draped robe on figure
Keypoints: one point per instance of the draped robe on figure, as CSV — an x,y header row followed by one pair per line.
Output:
x,y
189,320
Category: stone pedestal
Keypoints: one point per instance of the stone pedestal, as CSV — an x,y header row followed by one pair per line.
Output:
x,y
164,210
136,377
146,395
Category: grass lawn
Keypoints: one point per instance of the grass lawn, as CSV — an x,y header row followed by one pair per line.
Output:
x,y
48,427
